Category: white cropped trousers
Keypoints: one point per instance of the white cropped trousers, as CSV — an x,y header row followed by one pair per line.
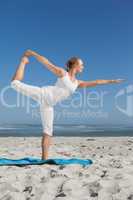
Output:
x,y
36,93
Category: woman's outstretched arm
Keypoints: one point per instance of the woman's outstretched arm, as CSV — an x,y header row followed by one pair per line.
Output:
x,y
59,71
97,82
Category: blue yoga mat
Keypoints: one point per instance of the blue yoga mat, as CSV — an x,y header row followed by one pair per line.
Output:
x,y
38,161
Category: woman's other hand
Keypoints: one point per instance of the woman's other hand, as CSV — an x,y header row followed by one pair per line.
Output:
x,y
28,53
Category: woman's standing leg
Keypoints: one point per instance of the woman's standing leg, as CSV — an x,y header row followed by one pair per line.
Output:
x,y
47,117
45,143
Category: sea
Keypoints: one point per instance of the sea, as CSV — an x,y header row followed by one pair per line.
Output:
x,y
67,130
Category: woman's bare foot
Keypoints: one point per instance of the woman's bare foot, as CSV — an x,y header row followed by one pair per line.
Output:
x,y
44,156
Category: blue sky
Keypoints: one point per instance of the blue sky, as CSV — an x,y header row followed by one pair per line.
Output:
x,y
100,32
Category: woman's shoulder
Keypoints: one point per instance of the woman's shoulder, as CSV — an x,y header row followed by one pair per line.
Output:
x,y
79,82
63,73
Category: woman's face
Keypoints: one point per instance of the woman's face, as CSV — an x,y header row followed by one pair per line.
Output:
x,y
79,66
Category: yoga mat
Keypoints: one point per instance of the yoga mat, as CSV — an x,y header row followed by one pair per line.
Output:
x,y
38,161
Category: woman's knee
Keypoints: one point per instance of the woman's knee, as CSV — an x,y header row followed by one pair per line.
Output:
x,y
14,83
48,135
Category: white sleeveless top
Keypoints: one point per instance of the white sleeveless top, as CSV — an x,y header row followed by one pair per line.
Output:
x,y
62,89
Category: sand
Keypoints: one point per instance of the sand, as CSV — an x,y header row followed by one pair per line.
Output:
x,y
110,177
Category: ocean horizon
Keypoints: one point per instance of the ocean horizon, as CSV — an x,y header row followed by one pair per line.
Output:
x,y
68,130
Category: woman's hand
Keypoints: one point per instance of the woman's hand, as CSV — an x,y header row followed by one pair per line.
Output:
x,y
28,53
109,81
117,80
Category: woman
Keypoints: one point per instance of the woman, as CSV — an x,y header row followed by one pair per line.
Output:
x,y
48,96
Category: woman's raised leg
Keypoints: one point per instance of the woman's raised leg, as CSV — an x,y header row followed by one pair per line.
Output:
x,y
19,74
29,90
46,110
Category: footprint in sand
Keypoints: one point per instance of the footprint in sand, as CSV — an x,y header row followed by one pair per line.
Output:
x,y
64,153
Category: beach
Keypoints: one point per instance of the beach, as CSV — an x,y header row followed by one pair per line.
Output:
x,y
109,177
